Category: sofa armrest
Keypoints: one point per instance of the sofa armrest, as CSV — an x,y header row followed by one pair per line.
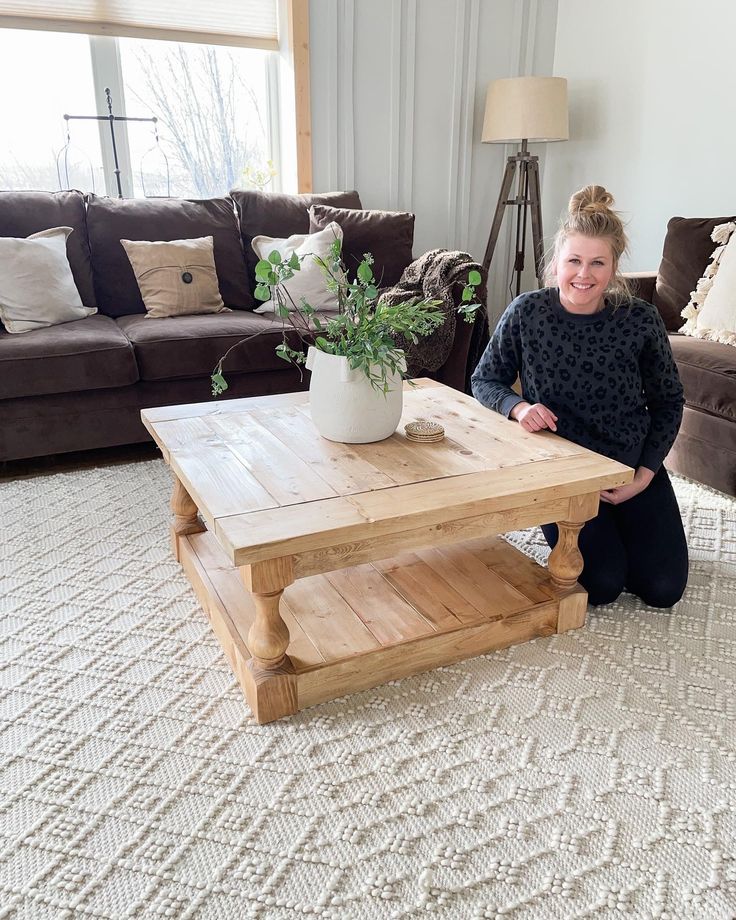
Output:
x,y
468,346
642,284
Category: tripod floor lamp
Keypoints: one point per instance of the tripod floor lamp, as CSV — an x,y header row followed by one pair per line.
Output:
x,y
523,110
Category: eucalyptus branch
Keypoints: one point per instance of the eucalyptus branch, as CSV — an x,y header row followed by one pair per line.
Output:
x,y
364,328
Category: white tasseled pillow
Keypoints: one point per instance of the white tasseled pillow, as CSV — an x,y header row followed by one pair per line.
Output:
x,y
711,313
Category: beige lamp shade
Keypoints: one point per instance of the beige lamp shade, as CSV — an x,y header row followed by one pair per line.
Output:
x,y
526,108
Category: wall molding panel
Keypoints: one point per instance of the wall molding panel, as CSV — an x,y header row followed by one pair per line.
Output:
x,y
409,51
462,223
398,90
395,104
330,149
455,115
347,106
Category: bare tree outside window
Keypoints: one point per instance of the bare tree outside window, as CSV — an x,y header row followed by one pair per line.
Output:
x,y
210,102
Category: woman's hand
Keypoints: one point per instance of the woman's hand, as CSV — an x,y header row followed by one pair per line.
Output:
x,y
642,478
534,418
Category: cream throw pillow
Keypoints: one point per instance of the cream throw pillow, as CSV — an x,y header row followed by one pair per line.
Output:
x,y
37,288
309,282
176,278
711,313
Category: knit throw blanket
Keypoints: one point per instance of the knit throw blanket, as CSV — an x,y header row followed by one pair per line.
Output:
x,y
439,274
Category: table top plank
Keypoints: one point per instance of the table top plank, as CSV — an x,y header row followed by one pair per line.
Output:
x,y
492,490
223,407
497,439
281,472
212,474
338,464
300,528
404,461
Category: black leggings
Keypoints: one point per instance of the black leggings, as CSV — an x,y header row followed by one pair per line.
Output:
x,y
638,545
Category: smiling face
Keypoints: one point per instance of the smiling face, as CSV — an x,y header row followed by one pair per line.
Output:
x,y
584,268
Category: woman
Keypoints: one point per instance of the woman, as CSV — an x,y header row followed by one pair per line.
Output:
x,y
596,366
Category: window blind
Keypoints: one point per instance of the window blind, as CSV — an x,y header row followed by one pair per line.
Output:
x,y
248,23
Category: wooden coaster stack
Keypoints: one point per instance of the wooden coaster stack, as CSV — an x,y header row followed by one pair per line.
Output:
x,y
425,431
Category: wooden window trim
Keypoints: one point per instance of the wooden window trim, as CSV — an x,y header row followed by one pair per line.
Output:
x,y
298,37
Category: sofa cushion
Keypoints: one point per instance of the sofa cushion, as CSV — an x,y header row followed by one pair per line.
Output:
x,y
387,235
708,374
280,215
24,213
86,354
110,220
687,249
191,346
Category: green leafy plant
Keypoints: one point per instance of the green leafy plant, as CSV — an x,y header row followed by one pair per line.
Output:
x,y
363,330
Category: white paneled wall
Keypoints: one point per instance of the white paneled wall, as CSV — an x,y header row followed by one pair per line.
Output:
x,y
398,93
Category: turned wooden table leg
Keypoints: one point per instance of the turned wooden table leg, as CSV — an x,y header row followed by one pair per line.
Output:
x,y
185,518
566,562
271,688
268,637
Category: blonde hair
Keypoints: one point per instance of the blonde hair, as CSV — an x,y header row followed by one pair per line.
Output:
x,y
590,213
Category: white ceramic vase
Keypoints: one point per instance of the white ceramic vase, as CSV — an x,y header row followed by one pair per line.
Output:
x,y
345,406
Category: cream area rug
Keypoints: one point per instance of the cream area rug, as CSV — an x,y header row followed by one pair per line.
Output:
x,y
591,774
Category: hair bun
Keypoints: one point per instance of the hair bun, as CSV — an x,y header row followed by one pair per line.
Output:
x,y
591,199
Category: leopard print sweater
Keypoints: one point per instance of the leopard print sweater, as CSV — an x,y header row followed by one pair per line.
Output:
x,y
609,377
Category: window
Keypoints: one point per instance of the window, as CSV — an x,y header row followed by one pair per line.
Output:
x,y
214,107
213,119
33,132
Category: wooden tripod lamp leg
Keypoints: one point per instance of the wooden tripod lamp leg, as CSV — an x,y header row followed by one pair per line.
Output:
x,y
529,194
536,209
503,197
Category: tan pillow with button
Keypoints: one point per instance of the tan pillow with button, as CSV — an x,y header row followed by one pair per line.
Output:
x,y
176,278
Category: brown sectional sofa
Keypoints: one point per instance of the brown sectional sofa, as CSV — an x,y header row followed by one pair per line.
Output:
x,y
82,384
705,449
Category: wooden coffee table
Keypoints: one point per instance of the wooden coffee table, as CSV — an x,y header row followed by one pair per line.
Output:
x,y
328,568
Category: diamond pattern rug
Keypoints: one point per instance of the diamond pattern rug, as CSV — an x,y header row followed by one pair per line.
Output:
x,y
591,774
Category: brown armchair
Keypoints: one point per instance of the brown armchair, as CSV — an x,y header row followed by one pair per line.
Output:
x,y
705,449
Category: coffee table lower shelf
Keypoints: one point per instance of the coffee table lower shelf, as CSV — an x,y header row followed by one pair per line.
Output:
x,y
359,627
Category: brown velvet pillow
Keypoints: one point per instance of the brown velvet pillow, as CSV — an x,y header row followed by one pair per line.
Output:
x,y
687,249
388,235
25,213
110,220
279,215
